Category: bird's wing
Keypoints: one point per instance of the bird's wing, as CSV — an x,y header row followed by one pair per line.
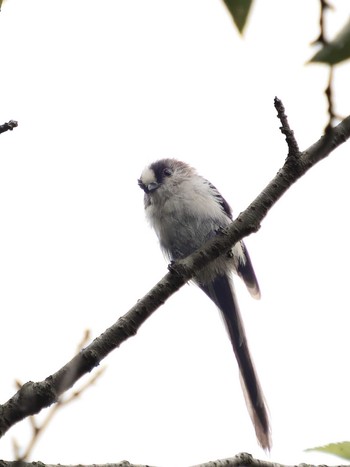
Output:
x,y
222,293
246,272
245,269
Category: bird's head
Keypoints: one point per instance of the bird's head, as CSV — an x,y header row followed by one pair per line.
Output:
x,y
165,175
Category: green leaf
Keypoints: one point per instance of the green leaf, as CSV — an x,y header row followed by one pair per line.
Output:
x,y
337,50
239,10
338,449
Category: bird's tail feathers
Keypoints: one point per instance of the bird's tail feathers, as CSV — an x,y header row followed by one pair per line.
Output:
x,y
222,293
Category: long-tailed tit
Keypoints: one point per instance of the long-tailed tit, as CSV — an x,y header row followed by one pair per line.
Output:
x,y
186,210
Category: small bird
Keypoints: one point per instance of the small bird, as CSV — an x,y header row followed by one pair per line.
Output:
x,y
185,211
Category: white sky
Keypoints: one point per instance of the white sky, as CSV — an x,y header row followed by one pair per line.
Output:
x,y
100,89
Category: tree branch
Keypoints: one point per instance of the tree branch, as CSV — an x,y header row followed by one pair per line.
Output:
x,y
8,126
32,397
241,460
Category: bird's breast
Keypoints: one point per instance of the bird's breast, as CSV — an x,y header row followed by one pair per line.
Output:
x,y
183,225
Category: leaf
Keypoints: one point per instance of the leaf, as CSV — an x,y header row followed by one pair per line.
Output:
x,y
336,50
338,449
239,10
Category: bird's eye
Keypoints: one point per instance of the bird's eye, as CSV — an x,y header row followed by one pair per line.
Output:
x,y
167,172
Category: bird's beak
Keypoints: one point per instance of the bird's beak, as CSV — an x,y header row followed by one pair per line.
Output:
x,y
152,186
148,188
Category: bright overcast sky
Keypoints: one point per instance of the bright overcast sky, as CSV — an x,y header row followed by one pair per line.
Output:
x,y
102,88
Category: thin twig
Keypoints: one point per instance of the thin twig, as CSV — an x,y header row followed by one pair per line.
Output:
x,y
329,95
321,39
286,129
85,339
37,429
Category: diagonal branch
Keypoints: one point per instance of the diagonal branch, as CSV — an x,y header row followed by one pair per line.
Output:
x,y
32,397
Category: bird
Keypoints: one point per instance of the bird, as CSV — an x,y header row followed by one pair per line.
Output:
x,y
186,210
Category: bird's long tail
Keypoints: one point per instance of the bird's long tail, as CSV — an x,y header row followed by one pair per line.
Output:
x,y
222,293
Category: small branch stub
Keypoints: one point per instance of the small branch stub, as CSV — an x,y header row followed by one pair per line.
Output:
x,y
286,129
8,126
